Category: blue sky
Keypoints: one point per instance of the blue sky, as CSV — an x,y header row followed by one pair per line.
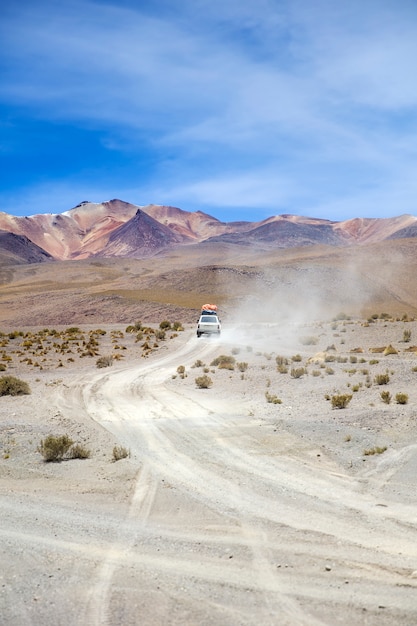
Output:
x,y
238,108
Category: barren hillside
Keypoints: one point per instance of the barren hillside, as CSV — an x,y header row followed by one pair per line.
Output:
x,y
315,281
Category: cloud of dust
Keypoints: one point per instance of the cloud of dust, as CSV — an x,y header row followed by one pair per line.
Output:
x,y
286,302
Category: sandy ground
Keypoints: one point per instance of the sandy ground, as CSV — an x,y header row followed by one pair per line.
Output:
x,y
230,510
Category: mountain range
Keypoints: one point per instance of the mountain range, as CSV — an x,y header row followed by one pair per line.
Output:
x,y
120,229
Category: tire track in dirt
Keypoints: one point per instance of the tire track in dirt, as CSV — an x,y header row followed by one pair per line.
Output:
x,y
118,396
198,444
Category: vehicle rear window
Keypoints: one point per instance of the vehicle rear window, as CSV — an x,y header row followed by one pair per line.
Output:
x,y
211,319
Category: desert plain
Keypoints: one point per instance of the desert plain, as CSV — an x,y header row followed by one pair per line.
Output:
x,y
257,500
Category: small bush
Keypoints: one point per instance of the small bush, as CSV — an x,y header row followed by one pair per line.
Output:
x,y
341,401
272,398
224,361
281,360
298,372
376,450
226,366
54,449
390,350
242,366
2,367
309,341
104,361
12,386
198,363
406,336
297,358
165,325
181,370
203,382
401,398
381,379
386,397
78,451
120,452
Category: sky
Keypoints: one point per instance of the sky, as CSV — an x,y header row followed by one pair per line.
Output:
x,y
237,108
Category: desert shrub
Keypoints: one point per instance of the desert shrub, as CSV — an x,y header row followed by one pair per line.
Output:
x,y
381,379
2,367
341,316
72,330
198,363
386,397
224,361
297,358
54,448
298,372
341,401
315,373
105,361
160,334
390,350
353,359
78,451
373,362
406,335
329,358
272,398
282,369
12,386
401,398
376,450
181,370
203,382
281,360
242,366
356,387
120,452
226,366
165,325
177,326
309,341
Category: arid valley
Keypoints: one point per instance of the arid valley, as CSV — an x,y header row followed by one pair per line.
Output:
x,y
283,492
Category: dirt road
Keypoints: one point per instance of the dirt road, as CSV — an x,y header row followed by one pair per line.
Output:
x,y
233,518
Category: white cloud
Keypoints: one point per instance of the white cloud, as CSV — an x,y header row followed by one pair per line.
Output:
x,y
272,104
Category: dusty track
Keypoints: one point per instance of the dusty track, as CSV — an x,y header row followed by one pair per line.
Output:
x,y
223,526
